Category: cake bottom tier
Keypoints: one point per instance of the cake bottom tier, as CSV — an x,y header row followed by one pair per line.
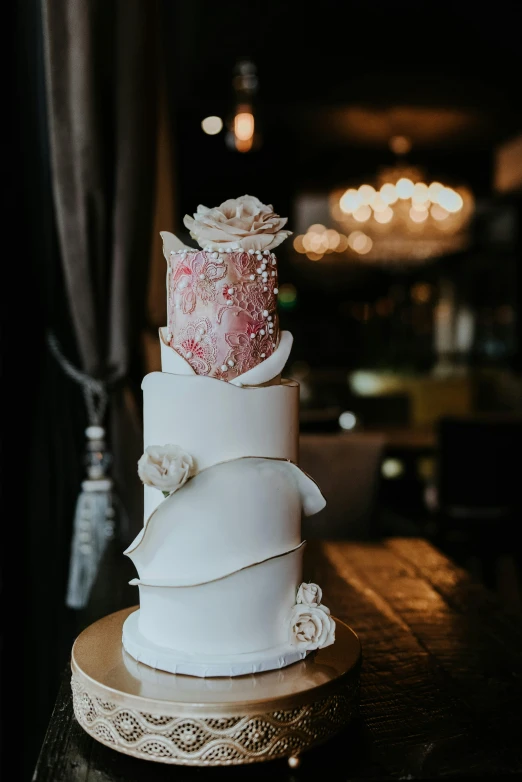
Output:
x,y
231,626
204,666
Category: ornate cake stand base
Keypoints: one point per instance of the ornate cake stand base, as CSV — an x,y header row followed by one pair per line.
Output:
x,y
184,720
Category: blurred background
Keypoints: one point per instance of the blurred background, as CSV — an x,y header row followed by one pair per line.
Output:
x,y
392,138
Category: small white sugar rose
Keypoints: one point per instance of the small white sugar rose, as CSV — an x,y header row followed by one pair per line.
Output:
x,y
244,222
312,627
166,467
310,594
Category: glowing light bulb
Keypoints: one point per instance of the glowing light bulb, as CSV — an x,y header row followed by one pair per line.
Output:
x,y
347,420
392,468
450,200
385,216
434,190
212,125
350,201
404,188
420,193
244,131
366,194
388,193
362,213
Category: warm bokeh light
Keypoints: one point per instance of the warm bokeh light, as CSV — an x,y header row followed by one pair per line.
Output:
x,y
385,216
418,215
343,243
244,125
450,200
392,468
314,256
404,188
378,204
388,193
332,238
438,212
212,125
347,420
366,194
317,228
362,213
434,190
354,236
427,220
400,145
360,242
349,201
421,292
298,244
420,193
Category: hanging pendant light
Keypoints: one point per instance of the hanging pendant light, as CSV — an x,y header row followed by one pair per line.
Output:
x,y
243,134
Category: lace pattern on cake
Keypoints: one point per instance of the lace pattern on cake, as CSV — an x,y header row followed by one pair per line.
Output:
x,y
194,278
197,344
234,291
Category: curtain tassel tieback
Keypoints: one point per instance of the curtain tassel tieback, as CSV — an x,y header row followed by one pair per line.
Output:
x,y
94,518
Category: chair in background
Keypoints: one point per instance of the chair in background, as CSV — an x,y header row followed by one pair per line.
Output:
x,y
347,470
479,494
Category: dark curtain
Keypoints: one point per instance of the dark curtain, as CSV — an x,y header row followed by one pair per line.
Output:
x,y
88,75
101,72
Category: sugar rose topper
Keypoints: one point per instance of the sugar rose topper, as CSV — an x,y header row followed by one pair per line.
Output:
x,y
239,223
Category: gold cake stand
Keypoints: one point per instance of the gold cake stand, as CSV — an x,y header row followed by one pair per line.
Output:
x,y
191,721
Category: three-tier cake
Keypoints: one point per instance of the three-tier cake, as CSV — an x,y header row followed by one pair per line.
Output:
x,y
220,555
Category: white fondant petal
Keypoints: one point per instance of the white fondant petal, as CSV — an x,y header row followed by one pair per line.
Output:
x,y
207,529
270,367
171,243
267,370
171,361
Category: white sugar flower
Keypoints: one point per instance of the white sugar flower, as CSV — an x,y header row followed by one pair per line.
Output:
x,y
312,627
166,467
240,223
309,594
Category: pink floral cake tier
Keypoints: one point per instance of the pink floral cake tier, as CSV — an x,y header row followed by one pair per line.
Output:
x,y
222,315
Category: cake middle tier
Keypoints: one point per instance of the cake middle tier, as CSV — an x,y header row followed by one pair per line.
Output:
x,y
224,519
217,422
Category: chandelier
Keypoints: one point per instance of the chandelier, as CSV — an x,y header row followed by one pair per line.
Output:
x,y
400,218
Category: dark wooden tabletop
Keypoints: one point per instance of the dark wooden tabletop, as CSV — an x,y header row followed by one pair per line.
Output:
x,y
441,686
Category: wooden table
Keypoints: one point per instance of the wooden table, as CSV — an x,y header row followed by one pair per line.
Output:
x,y
441,686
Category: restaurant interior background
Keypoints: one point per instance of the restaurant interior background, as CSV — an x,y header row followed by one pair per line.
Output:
x,y
391,137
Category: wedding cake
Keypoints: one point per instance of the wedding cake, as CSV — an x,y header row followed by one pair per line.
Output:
x,y
220,555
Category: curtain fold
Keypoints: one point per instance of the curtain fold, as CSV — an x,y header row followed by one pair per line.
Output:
x,y
101,76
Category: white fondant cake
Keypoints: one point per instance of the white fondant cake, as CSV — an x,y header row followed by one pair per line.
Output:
x,y
219,557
